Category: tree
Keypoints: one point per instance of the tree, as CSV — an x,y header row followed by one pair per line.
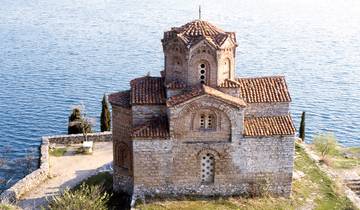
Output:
x,y
105,120
86,124
74,118
78,121
302,127
325,144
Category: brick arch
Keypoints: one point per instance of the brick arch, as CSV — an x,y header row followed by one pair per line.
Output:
x,y
204,151
210,110
122,155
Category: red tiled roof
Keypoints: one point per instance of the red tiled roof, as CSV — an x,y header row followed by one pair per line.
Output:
x,y
157,127
194,31
175,84
201,90
228,83
268,126
264,89
120,99
147,90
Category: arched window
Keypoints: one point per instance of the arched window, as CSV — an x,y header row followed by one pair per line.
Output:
x,y
207,168
227,67
122,155
202,73
207,121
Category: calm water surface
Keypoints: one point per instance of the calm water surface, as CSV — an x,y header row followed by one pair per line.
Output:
x,y
55,54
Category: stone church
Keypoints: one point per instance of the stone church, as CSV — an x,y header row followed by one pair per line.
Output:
x,y
198,129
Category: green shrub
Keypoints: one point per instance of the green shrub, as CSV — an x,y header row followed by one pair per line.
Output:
x,y
86,197
325,144
57,152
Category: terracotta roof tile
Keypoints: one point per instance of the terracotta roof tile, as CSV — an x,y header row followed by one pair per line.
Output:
x,y
120,99
147,90
175,84
228,83
157,127
197,30
201,90
264,89
268,126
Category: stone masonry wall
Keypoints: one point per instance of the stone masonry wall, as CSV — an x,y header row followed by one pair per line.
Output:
x,y
267,109
143,113
170,167
122,144
79,138
31,180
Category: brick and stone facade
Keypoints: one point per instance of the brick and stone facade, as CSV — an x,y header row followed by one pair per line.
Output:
x,y
198,129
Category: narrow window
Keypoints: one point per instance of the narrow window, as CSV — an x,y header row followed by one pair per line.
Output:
x,y
210,121
202,71
207,121
202,121
207,168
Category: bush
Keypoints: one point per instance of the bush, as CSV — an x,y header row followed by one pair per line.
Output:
x,y
86,197
325,144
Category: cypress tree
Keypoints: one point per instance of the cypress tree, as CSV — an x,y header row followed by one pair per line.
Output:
x,y
302,127
105,120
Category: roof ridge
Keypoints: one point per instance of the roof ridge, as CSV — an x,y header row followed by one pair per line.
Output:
x,y
261,77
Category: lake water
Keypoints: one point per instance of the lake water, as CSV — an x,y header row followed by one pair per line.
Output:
x,y
55,54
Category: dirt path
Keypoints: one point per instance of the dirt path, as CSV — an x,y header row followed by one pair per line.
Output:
x,y
67,171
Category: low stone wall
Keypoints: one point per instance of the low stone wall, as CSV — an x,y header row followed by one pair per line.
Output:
x,y
36,177
31,180
79,138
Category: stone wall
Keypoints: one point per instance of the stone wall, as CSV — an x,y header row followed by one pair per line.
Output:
x,y
171,168
38,176
122,144
267,109
79,138
143,113
31,180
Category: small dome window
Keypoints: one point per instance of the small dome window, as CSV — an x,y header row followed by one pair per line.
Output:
x,y
202,73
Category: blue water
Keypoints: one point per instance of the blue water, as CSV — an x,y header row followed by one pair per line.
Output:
x,y
56,54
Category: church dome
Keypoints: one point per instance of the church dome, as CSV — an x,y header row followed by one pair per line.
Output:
x,y
197,30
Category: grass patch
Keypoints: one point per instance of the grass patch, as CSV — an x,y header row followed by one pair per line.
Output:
x,y
58,152
314,191
81,151
342,157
